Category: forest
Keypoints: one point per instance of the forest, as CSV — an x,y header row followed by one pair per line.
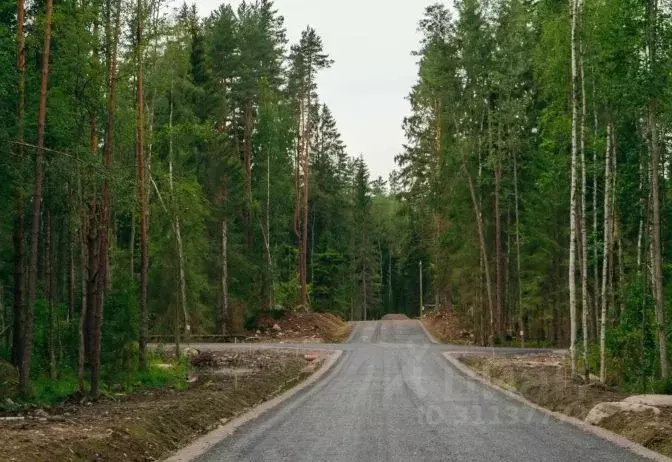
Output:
x,y
539,165
170,174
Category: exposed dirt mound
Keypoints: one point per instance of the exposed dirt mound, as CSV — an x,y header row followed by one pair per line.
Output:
x,y
301,327
545,380
394,317
148,425
448,327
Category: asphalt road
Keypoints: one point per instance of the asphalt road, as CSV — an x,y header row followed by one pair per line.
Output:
x,y
393,397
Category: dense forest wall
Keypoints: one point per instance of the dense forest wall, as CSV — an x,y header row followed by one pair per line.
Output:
x,y
538,164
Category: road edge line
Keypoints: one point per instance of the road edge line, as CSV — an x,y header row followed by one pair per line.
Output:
x,y
431,338
614,438
206,442
352,332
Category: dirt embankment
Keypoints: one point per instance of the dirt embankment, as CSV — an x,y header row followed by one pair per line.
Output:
x,y
546,380
447,327
300,328
149,425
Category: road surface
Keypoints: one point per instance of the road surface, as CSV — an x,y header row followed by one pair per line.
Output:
x,y
393,397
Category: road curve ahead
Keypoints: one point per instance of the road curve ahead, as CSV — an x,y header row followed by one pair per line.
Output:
x,y
393,397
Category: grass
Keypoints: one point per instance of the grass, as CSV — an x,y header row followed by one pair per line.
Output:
x,y
159,374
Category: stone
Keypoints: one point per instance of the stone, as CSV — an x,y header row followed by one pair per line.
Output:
x,y
190,352
603,411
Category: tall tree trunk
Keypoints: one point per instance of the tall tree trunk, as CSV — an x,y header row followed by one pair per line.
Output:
x,y
364,287
27,344
19,219
573,201
71,275
224,310
521,322
84,262
499,261
104,241
49,292
584,234
481,239
390,306
131,247
607,250
302,187
142,195
247,147
596,241
312,250
656,243
304,232
267,238
178,231
657,276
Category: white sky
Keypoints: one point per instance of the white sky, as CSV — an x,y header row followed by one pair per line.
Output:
x,y
371,43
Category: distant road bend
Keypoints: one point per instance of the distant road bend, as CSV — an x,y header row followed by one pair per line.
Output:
x,y
393,397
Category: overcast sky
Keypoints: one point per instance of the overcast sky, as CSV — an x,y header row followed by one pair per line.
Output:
x,y
371,43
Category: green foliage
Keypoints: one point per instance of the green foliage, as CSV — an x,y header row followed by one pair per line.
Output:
x,y
121,330
631,342
159,374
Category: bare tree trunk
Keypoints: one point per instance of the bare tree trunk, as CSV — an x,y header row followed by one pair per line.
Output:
x,y
573,187
312,250
224,312
596,242
521,322
71,276
389,281
657,276
104,241
49,292
19,223
584,234
142,195
499,264
132,247
656,243
640,232
607,250
364,288
247,146
267,238
27,344
302,189
304,239
481,238
84,259
178,232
